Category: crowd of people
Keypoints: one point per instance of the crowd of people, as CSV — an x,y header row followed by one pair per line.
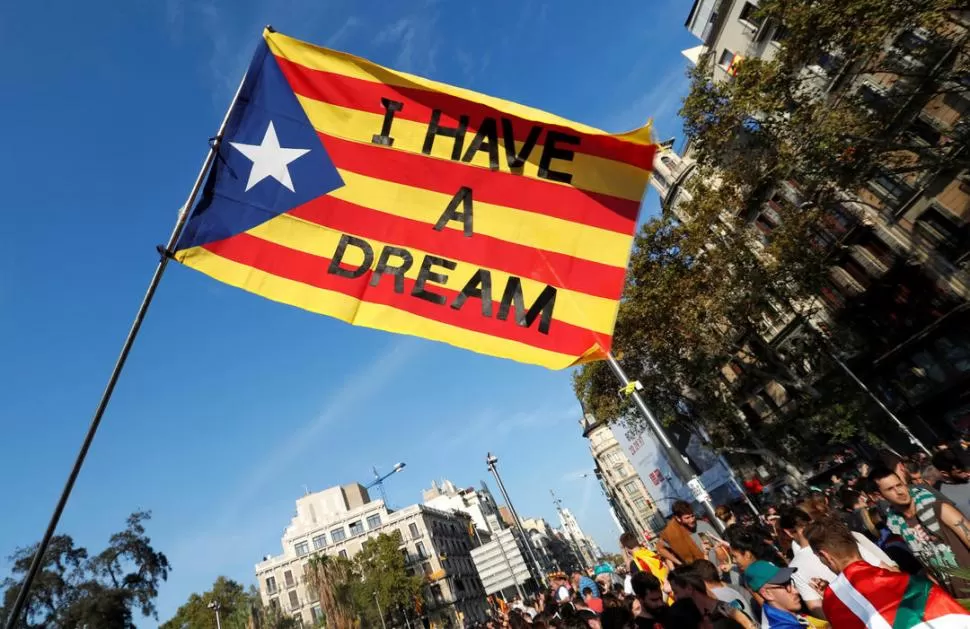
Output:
x,y
882,548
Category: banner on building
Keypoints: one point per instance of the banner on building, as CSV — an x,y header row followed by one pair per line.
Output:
x,y
394,202
659,477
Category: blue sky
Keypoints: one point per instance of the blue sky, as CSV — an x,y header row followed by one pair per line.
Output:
x,y
231,404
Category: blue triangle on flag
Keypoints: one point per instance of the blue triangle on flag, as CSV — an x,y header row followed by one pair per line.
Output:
x,y
240,192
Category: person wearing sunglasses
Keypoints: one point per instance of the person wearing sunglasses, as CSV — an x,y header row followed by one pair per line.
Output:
x,y
782,604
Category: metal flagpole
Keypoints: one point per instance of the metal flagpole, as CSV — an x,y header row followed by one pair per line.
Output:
x,y
146,301
899,423
673,455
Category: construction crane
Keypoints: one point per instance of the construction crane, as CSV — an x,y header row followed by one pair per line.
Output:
x,y
379,480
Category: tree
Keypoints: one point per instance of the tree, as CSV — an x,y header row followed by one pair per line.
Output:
x,y
702,284
349,589
234,603
76,590
382,574
331,578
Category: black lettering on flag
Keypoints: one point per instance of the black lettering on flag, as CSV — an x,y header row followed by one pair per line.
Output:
x,y
488,131
524,318
390,108
338,256
434,129
451,213
480,286
426,274
550,152
397,271
515,159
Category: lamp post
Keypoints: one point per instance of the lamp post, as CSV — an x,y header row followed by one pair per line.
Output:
x,y
379,612
215,606
491,460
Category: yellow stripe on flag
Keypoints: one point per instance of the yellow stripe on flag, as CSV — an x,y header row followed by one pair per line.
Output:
x,y
378,316
576,308
590,173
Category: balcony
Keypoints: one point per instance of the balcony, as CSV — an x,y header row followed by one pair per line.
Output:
x,y
874,267
846,283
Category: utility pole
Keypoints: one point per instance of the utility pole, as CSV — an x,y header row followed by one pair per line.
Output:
x,y
215,606
379,612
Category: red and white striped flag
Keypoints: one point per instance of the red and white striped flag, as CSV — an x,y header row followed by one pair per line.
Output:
x,y
867,597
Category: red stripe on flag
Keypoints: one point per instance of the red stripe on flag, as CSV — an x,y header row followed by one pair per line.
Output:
x,y
312,270
364,95
498,188
557,269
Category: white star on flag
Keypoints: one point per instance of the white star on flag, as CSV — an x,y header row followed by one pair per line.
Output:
x,y
269,159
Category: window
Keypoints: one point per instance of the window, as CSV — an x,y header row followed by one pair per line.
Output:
x,y
356,528
941,232
302,548
319,541
888,187
343,554
639,503
419,548
274,603
748,12
338,535
288,579
406,555
924,132
271,585
374,521
726,58
413,528
316,613
294,600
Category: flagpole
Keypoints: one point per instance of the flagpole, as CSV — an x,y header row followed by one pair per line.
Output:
x,y
146,301
676,459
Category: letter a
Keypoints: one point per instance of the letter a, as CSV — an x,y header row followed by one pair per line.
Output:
x,y
451,213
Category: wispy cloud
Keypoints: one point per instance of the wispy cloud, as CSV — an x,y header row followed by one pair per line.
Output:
x,y
413,38
660,103
340,35
492,424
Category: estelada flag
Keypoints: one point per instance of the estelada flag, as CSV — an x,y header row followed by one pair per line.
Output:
x,y
867,597
395,202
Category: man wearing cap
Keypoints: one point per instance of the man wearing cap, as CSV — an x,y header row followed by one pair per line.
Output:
x,y
782,604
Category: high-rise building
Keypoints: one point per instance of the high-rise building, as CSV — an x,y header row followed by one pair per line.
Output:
x,y
338,520
624,489
588,551
900,244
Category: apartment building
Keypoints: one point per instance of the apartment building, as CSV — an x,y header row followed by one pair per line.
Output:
x,y
338,520
624,489
900,245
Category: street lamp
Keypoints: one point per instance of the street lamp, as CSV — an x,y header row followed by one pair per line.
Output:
x,y
491,460
215,606
379,612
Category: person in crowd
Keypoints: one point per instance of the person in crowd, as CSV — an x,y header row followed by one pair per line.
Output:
x,y
955,479
863,595
649,592
640,558
561,584
935,531
855,511
749,544
617,617
809,567
739,599
581,582
892,544
686,583
684,614
726,515
592,602
685,539
782,605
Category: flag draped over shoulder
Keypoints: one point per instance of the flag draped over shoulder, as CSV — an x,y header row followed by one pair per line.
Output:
x,y
399,203
867,597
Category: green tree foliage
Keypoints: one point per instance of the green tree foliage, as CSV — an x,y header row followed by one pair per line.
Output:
x,y
698,289
349,590
75,590
234,602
